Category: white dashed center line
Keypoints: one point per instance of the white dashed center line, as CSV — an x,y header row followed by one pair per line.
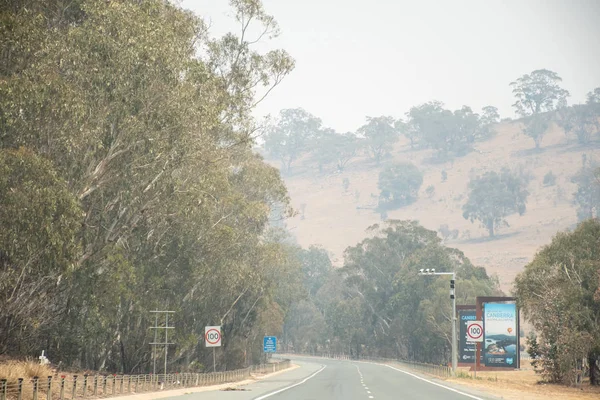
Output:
x,y
362,382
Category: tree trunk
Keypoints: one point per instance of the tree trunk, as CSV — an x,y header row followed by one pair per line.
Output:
x,y
594,362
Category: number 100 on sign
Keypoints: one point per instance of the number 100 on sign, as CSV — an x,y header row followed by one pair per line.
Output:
x,y
475,331
212,336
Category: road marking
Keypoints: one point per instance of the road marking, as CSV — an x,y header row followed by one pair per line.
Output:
x,y
368,392
289,387
434,383
371,397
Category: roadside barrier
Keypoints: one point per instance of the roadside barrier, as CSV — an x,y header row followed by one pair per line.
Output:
x,y
99,386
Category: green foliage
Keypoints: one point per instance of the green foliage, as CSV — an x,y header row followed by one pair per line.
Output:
x,y
39,224
556,293
346,184
380,135
399,185
141,190
535,127
316,268
398,305
493,196
450,133
538,92
292,136
377,305
549,179
489,117
582,119
430,191
330,147
587,196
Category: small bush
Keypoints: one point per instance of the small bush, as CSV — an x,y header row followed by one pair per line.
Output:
x,y
346,184
430,191
549,179
13,370
444,175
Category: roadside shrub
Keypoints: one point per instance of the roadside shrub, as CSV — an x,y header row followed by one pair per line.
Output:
x,y
549,179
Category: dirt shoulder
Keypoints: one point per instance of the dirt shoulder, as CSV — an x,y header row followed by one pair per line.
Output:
x,y
525,385
179,392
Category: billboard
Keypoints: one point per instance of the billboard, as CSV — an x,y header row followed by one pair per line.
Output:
x,y
500,335
467,351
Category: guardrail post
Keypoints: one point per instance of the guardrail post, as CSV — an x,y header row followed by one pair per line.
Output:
x,y
105,378
114,383
62,387
49,392
74,387
128,383
85,377
3,389
95,385
35,387
20,389
121,386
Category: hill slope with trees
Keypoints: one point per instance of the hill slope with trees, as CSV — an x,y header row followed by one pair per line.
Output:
x,y
497,190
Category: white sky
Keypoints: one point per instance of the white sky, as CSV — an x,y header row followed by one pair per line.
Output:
x,y
380,57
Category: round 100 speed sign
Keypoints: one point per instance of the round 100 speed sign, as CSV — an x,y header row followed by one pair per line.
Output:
x,y
212,336
475,331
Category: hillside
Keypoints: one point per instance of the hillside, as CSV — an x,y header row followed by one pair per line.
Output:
x,y
336,219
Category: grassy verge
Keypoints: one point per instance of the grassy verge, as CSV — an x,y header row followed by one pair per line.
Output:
x,y
524,384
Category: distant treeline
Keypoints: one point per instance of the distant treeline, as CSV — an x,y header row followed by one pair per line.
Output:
x,y
540,101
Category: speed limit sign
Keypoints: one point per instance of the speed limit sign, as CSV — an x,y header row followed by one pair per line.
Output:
x,y
212,336
475,331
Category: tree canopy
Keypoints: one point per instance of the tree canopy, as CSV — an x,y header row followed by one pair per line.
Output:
x,y
293,135
450,133
493,196
399,185
538,92
377,305
129,183
380,135
559,294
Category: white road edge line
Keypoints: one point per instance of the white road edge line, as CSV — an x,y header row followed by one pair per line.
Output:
x,y
289,387
434,383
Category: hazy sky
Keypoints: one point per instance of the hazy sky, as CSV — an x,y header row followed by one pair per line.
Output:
x,y
380,57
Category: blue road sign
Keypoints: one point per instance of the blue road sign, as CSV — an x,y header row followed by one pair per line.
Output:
x,y
270,344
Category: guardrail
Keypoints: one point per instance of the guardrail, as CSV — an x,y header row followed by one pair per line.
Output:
x,y
99,386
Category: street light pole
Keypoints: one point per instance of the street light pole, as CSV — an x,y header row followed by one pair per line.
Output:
x,y
453,298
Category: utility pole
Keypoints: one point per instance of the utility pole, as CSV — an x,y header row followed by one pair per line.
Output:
x,y
165,343
453,298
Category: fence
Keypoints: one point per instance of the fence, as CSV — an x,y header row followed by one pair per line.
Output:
x,y
95,386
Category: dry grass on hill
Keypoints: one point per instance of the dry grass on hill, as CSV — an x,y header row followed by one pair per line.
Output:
x,y
336,219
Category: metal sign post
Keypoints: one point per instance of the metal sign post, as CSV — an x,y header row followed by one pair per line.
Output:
x,y
475,334
212,338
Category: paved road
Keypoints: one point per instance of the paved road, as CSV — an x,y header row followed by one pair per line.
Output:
x,y
323,379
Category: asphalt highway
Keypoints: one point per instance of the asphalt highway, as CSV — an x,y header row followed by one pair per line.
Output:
x,y
325,379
